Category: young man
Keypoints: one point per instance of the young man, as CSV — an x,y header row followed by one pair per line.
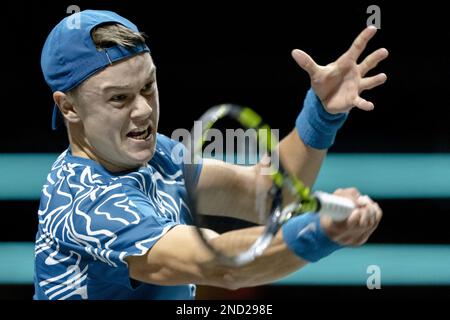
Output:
x,y
112,219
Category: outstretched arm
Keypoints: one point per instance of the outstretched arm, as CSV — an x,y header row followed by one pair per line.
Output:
x,y
336,88
180,257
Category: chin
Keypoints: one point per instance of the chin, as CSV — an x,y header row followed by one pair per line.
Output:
x,y
142,157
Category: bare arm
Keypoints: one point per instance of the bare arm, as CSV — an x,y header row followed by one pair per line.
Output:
x,y
231,190
300,159
180,258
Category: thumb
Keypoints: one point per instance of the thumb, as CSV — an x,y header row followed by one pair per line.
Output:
x,y
305,61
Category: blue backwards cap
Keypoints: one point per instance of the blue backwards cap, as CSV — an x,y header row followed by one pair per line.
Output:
x,y
69,56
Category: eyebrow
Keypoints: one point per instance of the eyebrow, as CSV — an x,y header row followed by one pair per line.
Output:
x,y
150,78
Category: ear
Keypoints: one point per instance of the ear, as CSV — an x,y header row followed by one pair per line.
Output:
x,y
67,106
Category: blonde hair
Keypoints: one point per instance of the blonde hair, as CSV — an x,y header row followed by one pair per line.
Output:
x,y
106,36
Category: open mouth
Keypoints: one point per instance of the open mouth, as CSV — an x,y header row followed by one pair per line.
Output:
x,y
140,134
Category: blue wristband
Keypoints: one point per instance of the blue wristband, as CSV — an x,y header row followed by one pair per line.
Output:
x,y
305,237
316,127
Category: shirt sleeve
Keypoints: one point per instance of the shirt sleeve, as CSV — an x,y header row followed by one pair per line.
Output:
x,y
181,157
191,172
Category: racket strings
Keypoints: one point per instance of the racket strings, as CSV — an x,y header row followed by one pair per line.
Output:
x,y
271,183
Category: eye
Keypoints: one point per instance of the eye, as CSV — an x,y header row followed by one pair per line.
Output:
x,y
148,88
118,98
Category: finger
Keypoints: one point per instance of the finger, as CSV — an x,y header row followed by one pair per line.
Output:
x,y
375,221
372,60
364,221
372,216
379,213
355,239
360,42
372,82
354,193
371,207
363,104
354,218
363,200
371,230
351,193
305,61
375,217
365,235
361,240
346,241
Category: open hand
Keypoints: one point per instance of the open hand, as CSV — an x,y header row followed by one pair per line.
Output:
x,y
340,83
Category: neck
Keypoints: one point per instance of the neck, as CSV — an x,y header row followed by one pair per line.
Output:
x,y
81,147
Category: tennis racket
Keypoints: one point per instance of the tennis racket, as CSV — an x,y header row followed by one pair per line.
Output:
x,y
270,206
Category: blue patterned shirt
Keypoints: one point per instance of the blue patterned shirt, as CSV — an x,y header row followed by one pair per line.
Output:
x,y
91,219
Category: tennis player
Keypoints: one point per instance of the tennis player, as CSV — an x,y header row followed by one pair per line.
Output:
x,y
113,219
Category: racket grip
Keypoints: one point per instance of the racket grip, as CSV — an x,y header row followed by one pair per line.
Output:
x,y
338,208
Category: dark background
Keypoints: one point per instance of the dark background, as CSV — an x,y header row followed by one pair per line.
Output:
x,y
240,52
230,52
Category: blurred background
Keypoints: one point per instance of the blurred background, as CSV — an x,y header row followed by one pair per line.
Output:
x,y
228,51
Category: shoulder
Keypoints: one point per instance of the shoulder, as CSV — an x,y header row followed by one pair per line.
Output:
x,y
90,195
164,141
168,154
166,145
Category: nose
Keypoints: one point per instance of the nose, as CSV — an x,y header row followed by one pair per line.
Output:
x,y
142,109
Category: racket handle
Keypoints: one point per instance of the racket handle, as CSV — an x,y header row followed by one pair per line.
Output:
x,y
338,208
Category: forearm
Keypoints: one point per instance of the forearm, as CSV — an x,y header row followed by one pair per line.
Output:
x,y
229,190
234,191
303,150
301,160
276,262
237,191
180,257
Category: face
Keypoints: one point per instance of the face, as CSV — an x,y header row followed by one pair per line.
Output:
x,y
118,110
